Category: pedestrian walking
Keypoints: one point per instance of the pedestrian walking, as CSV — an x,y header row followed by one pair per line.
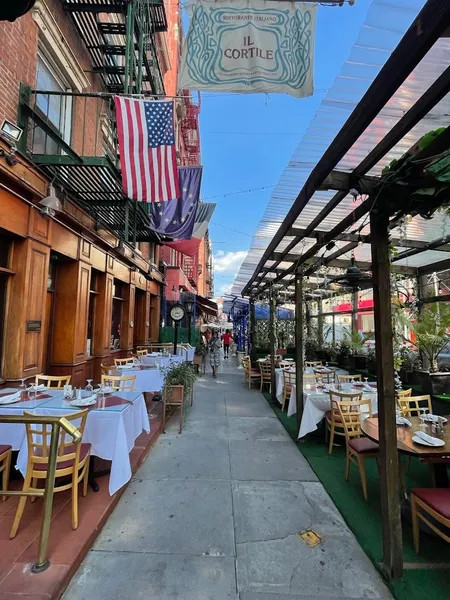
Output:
x,y
226,338
214,351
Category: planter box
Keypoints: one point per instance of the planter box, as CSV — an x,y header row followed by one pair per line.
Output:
x,y
372,367
281,351
408,377
175,394
360,362
433,384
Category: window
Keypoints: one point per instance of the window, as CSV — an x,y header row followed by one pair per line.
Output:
x,y
56,108
152,252
117,310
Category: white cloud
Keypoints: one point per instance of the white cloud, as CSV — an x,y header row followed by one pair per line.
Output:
x,y
224,289
229,262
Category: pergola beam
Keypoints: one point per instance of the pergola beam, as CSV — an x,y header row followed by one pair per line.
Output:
x,y
365,239
344,182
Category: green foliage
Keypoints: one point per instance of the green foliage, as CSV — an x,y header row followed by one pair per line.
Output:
x,y
430,330
356,340
182,373
344,350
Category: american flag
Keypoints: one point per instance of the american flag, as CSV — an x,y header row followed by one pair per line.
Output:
x,y
147,149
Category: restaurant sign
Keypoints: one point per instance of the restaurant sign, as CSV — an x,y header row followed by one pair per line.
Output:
x,y
249,46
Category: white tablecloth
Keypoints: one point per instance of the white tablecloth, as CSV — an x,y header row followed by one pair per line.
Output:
x,y
280,381
317,404
13,434
161,361
187,353
147,380
110,431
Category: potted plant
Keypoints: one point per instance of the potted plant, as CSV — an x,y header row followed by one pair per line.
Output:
x,y
357,342
430,337
344,353
179,382
311,348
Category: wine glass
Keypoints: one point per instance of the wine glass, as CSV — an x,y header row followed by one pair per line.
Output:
x,y
366,381
89,388
22,389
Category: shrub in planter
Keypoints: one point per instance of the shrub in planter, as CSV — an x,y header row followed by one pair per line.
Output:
x,y
180,374
430,331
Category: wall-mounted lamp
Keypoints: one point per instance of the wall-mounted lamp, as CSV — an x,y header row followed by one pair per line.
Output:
x,y
50,205
10,132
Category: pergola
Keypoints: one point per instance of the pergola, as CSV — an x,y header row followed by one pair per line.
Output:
x,y
326,222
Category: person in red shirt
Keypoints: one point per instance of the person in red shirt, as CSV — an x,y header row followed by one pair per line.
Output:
x,y
226,338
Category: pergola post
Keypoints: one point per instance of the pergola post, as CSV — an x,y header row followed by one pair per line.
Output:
x,y
299,345
355,312
272,342
252,329
388,461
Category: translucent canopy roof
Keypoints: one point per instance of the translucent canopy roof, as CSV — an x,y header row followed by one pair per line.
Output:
x,y
385,25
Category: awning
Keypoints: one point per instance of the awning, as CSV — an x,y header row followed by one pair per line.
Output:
x,y
208,307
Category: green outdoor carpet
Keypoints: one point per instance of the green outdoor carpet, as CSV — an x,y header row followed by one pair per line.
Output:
x,y
364,518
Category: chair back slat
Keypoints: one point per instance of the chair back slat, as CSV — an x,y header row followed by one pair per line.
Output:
x,y
55,382
346,378
124,361
289,378
39,440
327,377
351,414
122,383
265,367
412,406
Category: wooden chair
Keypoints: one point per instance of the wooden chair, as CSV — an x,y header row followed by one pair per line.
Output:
x,y
249,372
72,463
121,383
309,379
55,382
265,369
5,466
124,361
348,378
333,421
141,353
434,503
404,393
411,406
289,378
286,364
327,377
313,363
359,449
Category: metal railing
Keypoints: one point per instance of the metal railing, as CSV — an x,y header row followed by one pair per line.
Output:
x,y
57,424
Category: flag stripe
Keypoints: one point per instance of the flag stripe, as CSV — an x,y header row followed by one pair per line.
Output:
x,y
147,149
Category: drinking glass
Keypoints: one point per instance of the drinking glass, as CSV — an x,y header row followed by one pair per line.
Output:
x,y
22,389
100,392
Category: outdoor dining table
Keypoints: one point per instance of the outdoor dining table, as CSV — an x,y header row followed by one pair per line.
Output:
x,y
148,379
155,359
316,402
279,381
405,445
187,353
13,434
112,426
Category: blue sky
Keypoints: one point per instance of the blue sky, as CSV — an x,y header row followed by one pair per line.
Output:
x,y
247,140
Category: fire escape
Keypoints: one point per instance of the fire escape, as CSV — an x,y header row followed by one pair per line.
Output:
x,y
190,131
190,268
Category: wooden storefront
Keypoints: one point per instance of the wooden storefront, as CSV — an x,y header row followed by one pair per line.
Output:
x,y
69,299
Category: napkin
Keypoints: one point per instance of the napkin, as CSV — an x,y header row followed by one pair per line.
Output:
x,y
82,401
368,388
125,366
40,387
403,421
428,439
431,418
10,398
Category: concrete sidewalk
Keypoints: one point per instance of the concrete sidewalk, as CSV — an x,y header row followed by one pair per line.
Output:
x,y
215,513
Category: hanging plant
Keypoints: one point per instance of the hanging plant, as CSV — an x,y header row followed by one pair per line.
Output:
x,y
417,184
